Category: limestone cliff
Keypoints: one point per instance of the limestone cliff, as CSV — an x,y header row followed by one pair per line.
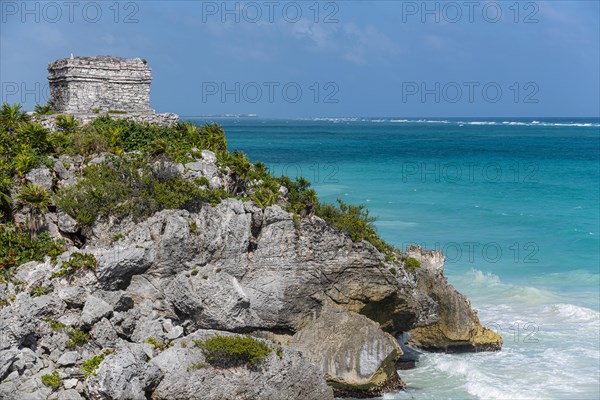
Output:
x,y
329,304
458,328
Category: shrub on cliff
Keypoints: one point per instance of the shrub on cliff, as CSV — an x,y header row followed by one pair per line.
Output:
x,y
66,124
18,247
139,191
233,351
36,199
123,186
180,142
355,221
11,116
46,109
51,380
412,264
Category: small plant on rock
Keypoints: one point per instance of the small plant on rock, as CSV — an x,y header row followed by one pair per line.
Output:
x,y
195,366
158,344
45,109
234,351
37,200
76,262
90,366
52,380
78,338
66,123
412,264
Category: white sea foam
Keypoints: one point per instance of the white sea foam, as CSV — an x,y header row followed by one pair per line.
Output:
x,y
459,123
575,313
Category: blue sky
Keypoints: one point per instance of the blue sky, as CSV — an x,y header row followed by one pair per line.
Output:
x,y
331,58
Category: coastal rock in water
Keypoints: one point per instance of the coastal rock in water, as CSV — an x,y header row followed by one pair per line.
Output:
x,y
356,356
458,329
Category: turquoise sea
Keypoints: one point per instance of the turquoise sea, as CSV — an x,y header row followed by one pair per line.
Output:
x,y
513,203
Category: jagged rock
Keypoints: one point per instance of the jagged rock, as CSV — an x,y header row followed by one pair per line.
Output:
x,y
94,310
126,375
7,358
119,300
458,329
33,274
117,265
67,224
18,322
172,331
41,177
278,283
33,388
27,360
70,383
69,358
104,333
69,394
288,377
74,296
356,356
209,156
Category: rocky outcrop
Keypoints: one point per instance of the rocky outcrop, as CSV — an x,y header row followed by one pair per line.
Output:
x,y
458,328
356,356
331,304
284,375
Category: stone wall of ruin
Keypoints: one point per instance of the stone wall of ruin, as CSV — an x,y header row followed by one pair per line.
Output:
x,y
91,84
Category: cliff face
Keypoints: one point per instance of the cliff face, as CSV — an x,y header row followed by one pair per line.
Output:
x,y
330,303
458,328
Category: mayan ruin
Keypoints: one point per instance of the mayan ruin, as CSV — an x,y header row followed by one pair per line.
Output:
x,y
86,87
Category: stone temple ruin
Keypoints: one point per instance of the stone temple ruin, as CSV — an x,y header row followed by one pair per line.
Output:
x,y
87,87
83,84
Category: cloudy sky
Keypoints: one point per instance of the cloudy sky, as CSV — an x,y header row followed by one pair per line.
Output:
x,y
329,58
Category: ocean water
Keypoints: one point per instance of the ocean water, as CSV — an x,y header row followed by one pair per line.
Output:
x,y
513,203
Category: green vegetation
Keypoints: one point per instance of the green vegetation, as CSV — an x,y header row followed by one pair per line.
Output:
x,y
55,325
138,177
355,221
195,366
158,344
90,366
193,227
142,190
66,124
118,237
46,109
38,291
36,199
76,262
18,247
77,338
52,380
233,351
11,116
393,271
412,264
